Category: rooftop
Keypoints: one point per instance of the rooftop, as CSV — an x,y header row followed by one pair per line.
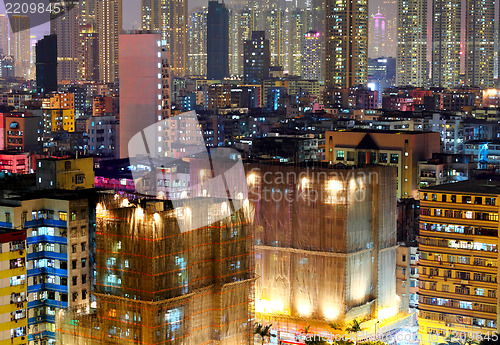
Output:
x,y
362,130
469,186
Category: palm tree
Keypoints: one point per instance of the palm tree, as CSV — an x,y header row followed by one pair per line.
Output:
x,y
315,340
336,326
355,327
263,331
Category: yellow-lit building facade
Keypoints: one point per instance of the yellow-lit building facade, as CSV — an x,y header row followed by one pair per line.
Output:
x,y
402,149
69,174
458,265
13,286
59,112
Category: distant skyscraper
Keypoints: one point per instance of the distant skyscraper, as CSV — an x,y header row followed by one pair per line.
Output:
x,y
178,39
20,47
412,43
244,34
66,27
446,28
4,34
217,41
46,64
480,42
238,32
275,34
109,27
198,42
377,36
297,32
87,11
346,43
311,55
171,18
257,58
144,84
88,68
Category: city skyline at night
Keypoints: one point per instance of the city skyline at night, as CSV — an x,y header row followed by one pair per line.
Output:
x,y
242,172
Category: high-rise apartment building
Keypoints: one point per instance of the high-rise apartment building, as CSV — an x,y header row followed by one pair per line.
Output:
x,y
217,40
57,227
446,30
197,57
109,27
144,84
257,58
274,17
178,38
311,55
480,43
412,43
298,28
244,33
88,12
66,27
170,17
458,273
13,285
346,43
239,31
88,68
4,34
19,46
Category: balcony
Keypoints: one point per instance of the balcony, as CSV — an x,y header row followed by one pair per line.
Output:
x,y
48,270
41,319
42,335
47,303
45,222
48,287
47,238
47,255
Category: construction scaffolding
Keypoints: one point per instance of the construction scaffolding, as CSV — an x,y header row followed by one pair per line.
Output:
x,y
325,244
156,284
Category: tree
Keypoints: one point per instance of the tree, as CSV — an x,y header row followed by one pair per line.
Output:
x,y
354,327
336,326
312,339
264,331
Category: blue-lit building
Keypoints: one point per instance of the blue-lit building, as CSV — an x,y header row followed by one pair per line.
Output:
x,y
381,75
217,41
189,101
59,227
273,97
256,58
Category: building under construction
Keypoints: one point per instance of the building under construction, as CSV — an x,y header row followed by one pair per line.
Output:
x,y
168,275
325,244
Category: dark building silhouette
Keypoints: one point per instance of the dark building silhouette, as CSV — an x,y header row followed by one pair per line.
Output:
x,y
257,58
8,68
217,40
46,64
